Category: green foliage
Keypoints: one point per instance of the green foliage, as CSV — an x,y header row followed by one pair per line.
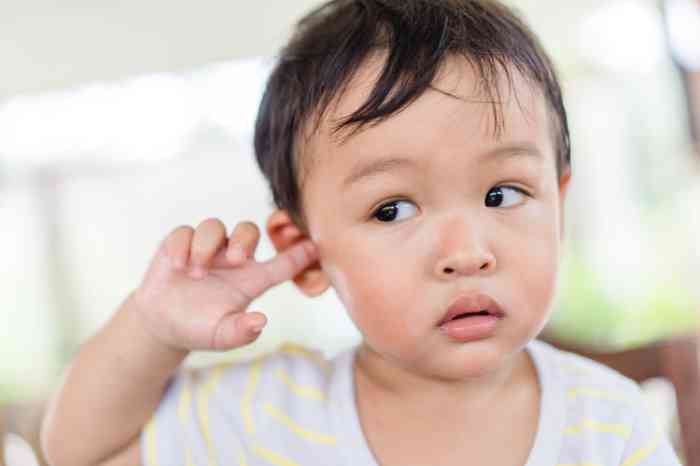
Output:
x,y
586,313
11,393
664,311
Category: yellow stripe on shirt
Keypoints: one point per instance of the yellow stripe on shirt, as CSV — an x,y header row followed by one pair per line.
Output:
x,y
574,368
151,452
594,392
297,429
272,457
643,452
311,393
183,413
247,400
298,350
596,426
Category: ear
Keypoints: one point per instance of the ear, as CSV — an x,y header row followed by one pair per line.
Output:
x,y
564,181
283,233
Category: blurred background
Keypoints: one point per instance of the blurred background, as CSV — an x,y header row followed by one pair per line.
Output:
x,y
122,120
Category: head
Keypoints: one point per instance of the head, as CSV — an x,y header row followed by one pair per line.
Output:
x,y
462,92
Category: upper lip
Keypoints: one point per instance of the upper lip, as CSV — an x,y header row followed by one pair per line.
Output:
x,y
474,302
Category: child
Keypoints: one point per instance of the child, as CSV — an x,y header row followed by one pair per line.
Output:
x,y
451,110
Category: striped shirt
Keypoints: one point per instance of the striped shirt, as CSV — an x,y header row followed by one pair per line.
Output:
x,y
293,407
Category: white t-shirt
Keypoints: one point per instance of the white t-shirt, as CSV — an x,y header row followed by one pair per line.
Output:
x,y
293,407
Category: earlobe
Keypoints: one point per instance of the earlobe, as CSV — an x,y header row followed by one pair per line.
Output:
x,y
313,281
564,181
283,233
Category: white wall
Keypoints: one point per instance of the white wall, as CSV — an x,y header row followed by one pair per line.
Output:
x,y
47,44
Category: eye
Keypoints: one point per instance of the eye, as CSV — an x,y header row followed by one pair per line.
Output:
x,y
505,196
391,210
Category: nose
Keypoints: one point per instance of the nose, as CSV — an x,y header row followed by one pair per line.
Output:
x,y
463,251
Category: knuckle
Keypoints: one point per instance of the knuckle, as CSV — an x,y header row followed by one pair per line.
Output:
x,y
200,250
266,279
302,257
200,255
296,259
244,293
242,297
197,255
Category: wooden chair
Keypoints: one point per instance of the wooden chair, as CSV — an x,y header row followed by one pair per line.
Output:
x,y
674,359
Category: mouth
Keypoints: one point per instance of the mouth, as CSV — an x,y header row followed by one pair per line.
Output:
x,y
473,305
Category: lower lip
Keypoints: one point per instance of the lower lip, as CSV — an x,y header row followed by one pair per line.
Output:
x,y
470,328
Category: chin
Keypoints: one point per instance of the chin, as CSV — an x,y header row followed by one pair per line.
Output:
x,y
472,362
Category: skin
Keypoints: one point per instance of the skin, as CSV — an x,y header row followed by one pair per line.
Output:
x,y
392,277
395,278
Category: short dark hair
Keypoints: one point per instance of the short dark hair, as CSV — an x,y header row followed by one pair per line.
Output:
x,y
331,42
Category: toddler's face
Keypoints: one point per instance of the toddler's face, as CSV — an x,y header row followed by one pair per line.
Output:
x,y
401,243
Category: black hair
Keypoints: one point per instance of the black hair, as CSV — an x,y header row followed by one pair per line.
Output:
x,y
331,42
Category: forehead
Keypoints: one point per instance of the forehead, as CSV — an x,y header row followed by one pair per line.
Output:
x,y
516,114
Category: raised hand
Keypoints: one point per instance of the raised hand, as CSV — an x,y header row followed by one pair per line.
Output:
x,y
199,284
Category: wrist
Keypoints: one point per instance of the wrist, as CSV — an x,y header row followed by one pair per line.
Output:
x,y
133,315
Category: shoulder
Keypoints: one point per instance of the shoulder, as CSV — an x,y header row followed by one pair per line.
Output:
x,y
288,364
575,370
605,412
277,398
592,388
297,369
245,393
282,396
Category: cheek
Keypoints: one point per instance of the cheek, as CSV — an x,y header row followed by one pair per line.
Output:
x,y
536,263
374,292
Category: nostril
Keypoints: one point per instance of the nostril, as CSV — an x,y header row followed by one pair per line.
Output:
x,y
466,265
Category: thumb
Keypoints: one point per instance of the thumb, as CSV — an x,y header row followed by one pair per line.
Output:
x,y
237,329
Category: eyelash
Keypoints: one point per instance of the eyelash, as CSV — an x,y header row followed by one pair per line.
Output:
x,y
399,199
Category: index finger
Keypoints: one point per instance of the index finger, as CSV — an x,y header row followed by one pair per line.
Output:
x,y
289,263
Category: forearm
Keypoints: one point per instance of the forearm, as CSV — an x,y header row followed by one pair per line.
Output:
x,y
110,391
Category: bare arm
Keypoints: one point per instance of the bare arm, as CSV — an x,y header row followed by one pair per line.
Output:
x,y
110,391
130,456
193,297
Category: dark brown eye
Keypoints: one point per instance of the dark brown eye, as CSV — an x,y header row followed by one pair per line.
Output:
x,y
500,194
494,197
388,212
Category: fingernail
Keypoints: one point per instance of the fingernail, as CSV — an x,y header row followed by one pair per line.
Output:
x,y
257,326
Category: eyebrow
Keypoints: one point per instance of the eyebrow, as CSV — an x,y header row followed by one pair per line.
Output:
x,y
387,164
